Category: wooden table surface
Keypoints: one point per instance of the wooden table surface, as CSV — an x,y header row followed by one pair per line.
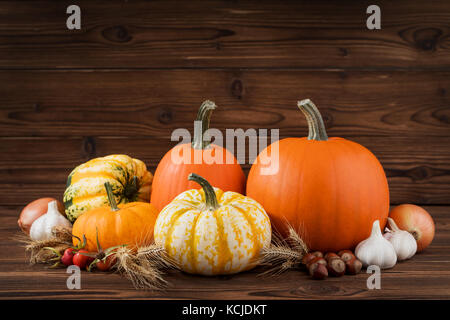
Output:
x,y
137,70
425,276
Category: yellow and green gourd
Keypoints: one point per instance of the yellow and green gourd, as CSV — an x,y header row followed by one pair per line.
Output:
x,y
129,179
212,232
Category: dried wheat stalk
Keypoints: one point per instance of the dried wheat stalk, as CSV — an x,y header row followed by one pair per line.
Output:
x,y
145,266
283,254
61,240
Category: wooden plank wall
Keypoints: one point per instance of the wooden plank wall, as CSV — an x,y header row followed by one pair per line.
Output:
x,y
139,69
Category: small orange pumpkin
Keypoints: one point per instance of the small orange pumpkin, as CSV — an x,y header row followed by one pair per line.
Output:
x,y
329,189
124,224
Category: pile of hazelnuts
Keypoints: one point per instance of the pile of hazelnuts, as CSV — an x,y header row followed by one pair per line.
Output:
x,y
320,266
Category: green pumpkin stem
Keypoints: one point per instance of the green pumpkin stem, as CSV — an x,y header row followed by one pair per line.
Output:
x,y
111,199
314,118
203,115
210,194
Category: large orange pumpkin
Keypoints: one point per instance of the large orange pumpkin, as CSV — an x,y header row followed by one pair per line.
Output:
x,y
330,189
171,175
129,224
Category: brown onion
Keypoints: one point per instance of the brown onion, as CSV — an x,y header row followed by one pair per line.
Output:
x,y
34,210
415,220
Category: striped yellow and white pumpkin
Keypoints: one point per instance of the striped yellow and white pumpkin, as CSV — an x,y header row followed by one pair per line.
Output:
x,y
212,232
85,190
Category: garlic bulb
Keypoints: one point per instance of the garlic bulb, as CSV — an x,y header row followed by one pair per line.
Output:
x,y
376,250
403,242
41,229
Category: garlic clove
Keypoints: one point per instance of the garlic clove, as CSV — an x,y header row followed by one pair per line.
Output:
x,y
376,250
41,229
387,235
404,243
37,231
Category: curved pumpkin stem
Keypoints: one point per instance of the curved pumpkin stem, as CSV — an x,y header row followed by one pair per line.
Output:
x,y
203,115
210,194
314,118
111,199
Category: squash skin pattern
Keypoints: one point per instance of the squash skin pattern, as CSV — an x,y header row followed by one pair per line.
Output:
x,y
85,185
225,240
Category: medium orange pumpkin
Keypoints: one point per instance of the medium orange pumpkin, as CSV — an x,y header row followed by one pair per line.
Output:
x,y
170,177
330,189
130,224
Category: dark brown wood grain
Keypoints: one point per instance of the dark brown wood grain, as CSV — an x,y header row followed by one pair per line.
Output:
x,y
155,102
191,34
425,276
